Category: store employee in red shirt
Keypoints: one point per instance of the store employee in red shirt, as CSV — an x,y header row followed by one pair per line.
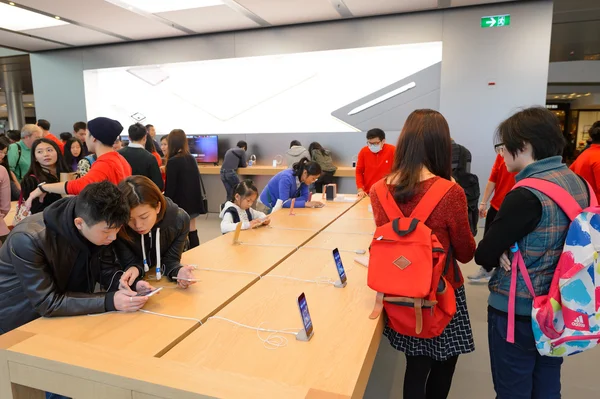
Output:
x,y
374,161
587,164
109,165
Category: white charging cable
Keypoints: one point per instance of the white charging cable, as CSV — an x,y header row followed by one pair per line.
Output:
x,y
171,316
318,280
273,340
208,269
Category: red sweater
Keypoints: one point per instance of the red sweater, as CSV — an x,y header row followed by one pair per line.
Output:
x,y
370,167
587,165
58,142
449,221
110,166
504,181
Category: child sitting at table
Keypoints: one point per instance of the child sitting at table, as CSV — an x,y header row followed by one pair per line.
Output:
x,y
239,209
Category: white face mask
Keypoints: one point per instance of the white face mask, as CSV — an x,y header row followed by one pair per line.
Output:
x,y
375,148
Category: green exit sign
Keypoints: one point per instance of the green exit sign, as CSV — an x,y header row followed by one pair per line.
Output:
x,y
495,20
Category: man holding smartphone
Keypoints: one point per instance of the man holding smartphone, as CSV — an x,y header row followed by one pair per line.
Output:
x,y
51,261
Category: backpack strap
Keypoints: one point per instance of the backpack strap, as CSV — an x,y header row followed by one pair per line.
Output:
x,y
249,214
518,265
387,200
234,214
431,199
559,195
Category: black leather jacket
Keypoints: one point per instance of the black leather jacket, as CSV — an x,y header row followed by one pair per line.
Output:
x,y
47,268
174,229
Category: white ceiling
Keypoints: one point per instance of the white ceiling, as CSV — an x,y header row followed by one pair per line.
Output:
x,y
93,22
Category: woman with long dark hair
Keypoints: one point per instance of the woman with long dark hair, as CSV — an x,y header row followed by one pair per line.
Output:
x,y
423,156
182,183
15,186
73,153
292,184
151,148
47,163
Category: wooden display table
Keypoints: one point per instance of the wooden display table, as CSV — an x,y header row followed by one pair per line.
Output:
x,y
268,170
336,361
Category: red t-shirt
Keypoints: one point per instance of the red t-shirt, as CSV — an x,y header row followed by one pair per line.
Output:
x,y
60,144
587,165
504,182
370,167
110,166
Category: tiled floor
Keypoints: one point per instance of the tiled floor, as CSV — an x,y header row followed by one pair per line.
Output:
x,y
472,380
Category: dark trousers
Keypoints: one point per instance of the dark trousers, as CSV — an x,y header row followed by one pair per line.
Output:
x,y
323,180
491,215
426,378
518,370
230,179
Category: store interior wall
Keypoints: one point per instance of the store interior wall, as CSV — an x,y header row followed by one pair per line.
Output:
x,y
514,58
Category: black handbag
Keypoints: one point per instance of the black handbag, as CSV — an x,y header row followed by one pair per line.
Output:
x,y
204,196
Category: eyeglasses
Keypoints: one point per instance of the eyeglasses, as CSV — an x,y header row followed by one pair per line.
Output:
x,y
499,148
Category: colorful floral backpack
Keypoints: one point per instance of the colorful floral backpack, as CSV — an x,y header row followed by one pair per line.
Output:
x,y
567,320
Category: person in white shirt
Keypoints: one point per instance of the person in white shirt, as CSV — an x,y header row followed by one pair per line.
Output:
x,y
239,209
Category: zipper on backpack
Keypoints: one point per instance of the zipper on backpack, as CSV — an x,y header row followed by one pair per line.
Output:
x,y
574,338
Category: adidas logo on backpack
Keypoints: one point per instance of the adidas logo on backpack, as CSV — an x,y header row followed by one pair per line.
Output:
x,y
406,267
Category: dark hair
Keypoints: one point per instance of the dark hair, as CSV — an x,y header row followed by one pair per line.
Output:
x,y
14,135
177,143
148,126
140,190
311,168
536,126
244,189
65,136
149,146
295,143
376,134
424,142
69,158
137,132
595,132
315,146
37,170
77,126
165,137
102,202
242,144
44,124
5,143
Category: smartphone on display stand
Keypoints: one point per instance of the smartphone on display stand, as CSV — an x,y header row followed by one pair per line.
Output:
x,y
307,333
340,269
150,293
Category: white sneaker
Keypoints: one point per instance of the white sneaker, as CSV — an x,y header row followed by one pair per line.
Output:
x,y
482,276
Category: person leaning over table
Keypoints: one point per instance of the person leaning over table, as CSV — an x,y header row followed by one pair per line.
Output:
x,y
292,183
51,261
109,165
152,217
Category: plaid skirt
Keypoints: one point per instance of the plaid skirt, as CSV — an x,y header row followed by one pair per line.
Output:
x,y
457,338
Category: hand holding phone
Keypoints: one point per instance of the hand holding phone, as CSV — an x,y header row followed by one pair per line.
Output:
x,y
150,293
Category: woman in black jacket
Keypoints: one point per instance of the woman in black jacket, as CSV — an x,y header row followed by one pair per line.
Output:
x,y
182,183
47,163
155,236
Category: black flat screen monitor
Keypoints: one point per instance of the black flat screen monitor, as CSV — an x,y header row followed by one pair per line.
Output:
x,y
204,148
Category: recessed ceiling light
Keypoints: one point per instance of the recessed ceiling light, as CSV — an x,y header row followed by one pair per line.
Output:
x,y
588,94
56,17
19,19
11,3
555,97
156,6
579,95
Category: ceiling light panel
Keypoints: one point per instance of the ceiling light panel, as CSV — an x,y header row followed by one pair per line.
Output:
x,y
156,6
19,19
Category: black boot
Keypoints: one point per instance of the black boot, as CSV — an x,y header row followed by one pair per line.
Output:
x,y
194,240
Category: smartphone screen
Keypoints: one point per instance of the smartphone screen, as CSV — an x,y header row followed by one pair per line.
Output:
x,y
306,321
338,264
150,293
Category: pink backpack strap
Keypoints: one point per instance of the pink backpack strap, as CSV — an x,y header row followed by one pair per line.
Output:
x,y
518,264
559,195
387,200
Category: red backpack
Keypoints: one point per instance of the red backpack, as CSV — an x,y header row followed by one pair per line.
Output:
x,y
407,265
